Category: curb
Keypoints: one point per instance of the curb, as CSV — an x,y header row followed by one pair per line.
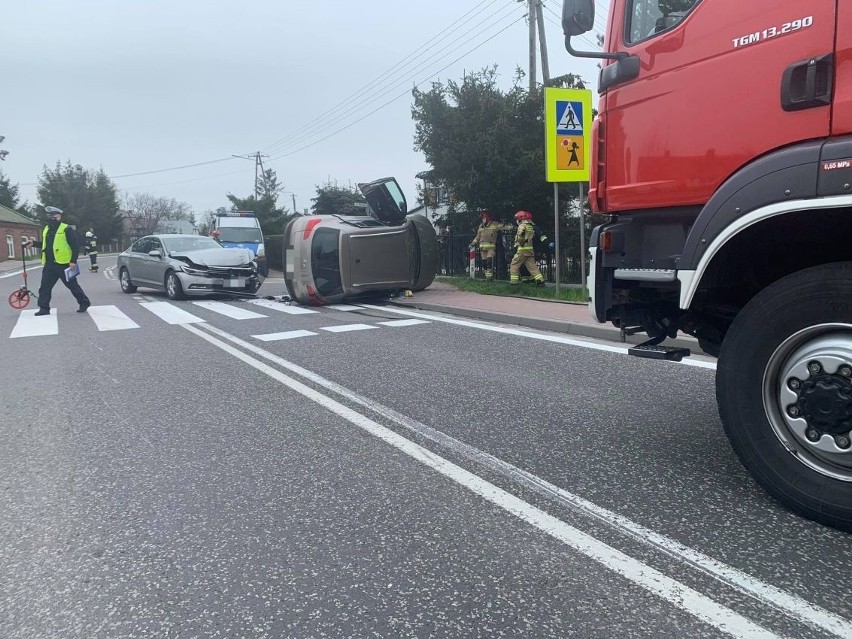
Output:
x,y
581,329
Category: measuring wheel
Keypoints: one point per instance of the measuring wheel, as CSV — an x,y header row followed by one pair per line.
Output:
x,y
19,299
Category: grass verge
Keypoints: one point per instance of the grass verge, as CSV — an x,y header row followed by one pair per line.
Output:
x,y
547,292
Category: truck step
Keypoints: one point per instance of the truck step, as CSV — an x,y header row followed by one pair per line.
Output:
x,y
671,353
646,274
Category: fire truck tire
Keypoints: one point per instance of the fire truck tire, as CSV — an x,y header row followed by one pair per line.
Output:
x,y
784,391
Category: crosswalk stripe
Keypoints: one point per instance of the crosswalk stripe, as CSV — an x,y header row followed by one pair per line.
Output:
x,y
345,328
408,322
234,312
28,325
274,337
344,307
109,318
170,313
284,308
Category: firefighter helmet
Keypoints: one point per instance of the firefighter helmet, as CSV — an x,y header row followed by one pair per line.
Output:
x,y
520,216
486,215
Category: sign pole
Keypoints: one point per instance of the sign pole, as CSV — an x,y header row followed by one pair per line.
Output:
x,y
556,233
582,238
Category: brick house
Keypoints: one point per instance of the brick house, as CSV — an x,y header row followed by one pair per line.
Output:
x,y
13,228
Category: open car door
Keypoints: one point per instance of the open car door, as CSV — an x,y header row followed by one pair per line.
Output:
x,y
386,200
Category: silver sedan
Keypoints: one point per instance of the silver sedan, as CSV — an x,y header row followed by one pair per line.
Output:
x,y
183,265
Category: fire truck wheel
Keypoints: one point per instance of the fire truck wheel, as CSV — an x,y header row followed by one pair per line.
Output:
x,y
784,388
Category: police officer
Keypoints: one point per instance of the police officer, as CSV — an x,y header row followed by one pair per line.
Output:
x,y
486,239
91,248
524,254
59,249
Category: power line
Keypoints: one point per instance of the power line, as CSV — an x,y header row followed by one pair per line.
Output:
x,y
174,168
384,76
320,121
379,108
412,76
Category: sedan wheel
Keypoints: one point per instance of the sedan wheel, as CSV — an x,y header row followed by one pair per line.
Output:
x,y
124,279
174,290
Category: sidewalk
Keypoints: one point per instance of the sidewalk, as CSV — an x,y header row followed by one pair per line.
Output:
x,y
560,317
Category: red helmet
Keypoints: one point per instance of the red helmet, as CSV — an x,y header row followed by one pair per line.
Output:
x,y
215,233
523,215
486,215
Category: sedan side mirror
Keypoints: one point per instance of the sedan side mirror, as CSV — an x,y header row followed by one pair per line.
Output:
x,y
155,253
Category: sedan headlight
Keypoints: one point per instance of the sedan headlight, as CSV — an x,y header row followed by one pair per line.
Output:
x,y
189,270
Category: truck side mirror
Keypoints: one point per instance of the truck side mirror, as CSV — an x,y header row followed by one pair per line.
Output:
x,y
578,17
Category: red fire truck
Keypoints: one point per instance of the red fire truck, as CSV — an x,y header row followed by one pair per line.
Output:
x,y
722,154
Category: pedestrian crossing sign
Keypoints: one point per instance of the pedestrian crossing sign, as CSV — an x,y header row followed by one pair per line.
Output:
x,y
568,117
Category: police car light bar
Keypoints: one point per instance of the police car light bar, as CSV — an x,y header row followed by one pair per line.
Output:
x,y
236,214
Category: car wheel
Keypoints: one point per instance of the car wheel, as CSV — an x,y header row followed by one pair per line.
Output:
x,y
174,290
124,279
784,387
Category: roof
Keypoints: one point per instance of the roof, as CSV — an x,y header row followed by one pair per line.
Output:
x,y
8,215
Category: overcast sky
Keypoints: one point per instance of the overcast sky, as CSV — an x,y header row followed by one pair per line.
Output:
x,y
321,87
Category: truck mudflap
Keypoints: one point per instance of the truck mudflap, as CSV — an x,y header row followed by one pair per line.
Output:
x,y
599,296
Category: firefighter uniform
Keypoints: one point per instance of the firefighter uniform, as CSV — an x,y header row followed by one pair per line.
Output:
x,y
486,240
524,254
90,247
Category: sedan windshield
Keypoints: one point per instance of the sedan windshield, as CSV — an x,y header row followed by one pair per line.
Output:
x,y
184,244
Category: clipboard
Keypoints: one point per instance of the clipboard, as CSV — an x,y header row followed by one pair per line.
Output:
x,y
72,272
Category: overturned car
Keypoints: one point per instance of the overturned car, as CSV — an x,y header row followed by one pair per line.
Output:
x,y
330,258
187,265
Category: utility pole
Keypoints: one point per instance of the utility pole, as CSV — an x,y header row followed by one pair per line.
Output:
x,y
531,6
258,169
542,41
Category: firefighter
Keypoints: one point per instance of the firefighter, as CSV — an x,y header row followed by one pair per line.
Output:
x,y
90,247
215,235
524,254
486,239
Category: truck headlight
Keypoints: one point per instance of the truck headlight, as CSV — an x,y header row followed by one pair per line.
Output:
x,y
261,250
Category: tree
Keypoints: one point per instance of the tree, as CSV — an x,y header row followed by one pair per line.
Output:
x,y
89,199
486,146
332,199
272,217
8,193
145,213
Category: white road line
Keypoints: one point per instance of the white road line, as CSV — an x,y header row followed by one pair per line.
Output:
x,y
397,323
786,603
343,307
283,308
621,350
345,328
234,312
109,318
28,325
30,268
274,337
672,591
171,314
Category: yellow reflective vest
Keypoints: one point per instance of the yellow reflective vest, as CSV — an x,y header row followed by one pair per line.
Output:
x,y
61,248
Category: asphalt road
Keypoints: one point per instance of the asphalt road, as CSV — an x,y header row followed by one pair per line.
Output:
x,y
367,471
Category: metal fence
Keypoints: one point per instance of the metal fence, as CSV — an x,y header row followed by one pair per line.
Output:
x,y
454,260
